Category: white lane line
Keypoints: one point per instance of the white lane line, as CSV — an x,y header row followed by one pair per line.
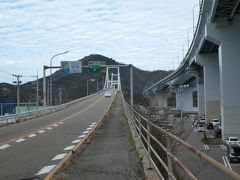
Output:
x,y
69,148
85,132
82,136
42,131
206,146
59,156
229,166
45,170
223,147
224,161
32,135
92,125
76,141
4,146
49,128
88,129
55,125
20,140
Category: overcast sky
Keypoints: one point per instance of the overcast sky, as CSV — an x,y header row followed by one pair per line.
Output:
x,y
146,33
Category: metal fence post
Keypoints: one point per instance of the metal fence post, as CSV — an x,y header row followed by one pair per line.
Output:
x,y
169,161
149,144
140,131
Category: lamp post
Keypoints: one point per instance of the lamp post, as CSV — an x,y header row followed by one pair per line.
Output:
x,y
193,17
50,88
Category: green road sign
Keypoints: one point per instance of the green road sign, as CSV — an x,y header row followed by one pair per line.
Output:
x,y
94,68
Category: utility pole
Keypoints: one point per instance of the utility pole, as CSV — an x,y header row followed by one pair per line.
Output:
x,y
18,82
97,83
60,95
37,100
44,87
87,87
131,84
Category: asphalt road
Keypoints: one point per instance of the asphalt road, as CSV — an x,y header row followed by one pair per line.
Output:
x,y
32,148
111,153
200,168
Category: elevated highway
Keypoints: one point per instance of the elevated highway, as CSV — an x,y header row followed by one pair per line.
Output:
x,y
210,67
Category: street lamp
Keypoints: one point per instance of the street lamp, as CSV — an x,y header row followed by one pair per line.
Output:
x,y
50,103
193,17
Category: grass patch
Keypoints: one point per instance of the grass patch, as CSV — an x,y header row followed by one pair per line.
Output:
x,y
130,137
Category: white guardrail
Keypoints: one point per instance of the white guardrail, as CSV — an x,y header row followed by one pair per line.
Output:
x,y
157,143
16,118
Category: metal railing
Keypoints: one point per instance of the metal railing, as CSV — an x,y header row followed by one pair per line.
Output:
x,y
156,142
15,118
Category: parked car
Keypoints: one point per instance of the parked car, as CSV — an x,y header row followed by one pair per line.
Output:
x,y
210,126
215,122
107,94
232,140
201,128
233,152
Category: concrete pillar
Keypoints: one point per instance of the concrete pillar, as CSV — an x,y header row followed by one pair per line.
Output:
x,y
184,100
162,100
227,35
211,85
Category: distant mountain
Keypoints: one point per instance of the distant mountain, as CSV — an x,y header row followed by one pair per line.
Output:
x,y
73,86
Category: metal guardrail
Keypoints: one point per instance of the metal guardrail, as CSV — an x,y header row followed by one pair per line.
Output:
x,y
16,118
142,128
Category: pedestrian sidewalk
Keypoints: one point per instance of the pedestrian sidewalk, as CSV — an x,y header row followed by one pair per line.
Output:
x,y
110,154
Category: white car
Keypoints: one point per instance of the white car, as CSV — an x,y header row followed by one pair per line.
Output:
x,y
107,94
215,122
232,140
201,128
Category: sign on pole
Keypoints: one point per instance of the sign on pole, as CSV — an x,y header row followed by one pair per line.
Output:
x,y
68,67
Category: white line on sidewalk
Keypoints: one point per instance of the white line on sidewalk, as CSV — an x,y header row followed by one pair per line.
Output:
x,y
4,146
45,169
59,156
20,140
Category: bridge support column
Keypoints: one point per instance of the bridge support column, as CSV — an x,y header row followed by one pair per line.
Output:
x,y
184,99
201,100
162,100
226,35
211,85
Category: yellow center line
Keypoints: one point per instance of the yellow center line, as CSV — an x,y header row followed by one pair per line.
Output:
x,y
62,120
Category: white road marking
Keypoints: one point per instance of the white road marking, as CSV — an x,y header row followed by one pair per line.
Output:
x,y
226,163
42,131
45,169
49,128
85,132
92,125
69,148
55,125
4,146
59,156
20,140
76,141
82,136
206,146
32,135
60,122
223,147
88,129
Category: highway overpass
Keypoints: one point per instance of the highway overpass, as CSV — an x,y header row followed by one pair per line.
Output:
x,y
210,67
